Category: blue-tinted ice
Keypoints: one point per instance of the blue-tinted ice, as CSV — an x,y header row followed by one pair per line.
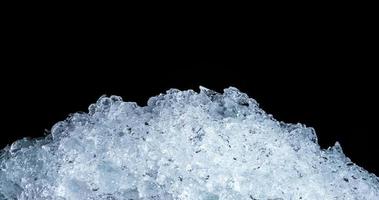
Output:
x,y
183,145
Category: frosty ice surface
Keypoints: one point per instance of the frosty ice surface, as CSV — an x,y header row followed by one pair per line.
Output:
x,y
183,145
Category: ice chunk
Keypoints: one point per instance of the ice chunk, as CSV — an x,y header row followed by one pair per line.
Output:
x,y
182,145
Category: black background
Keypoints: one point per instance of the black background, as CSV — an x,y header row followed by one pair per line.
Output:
x,y
324,77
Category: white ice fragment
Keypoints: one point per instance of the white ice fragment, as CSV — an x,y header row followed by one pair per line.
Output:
x,y
182,145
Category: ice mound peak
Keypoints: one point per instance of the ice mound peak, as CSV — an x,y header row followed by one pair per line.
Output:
x,y
183,145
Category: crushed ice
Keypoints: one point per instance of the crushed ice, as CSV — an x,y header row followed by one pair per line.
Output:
x,y
183,145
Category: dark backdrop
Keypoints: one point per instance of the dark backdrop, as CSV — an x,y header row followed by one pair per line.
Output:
x,y
323,78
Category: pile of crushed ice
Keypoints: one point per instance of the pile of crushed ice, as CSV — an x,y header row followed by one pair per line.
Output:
x,y
182,145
